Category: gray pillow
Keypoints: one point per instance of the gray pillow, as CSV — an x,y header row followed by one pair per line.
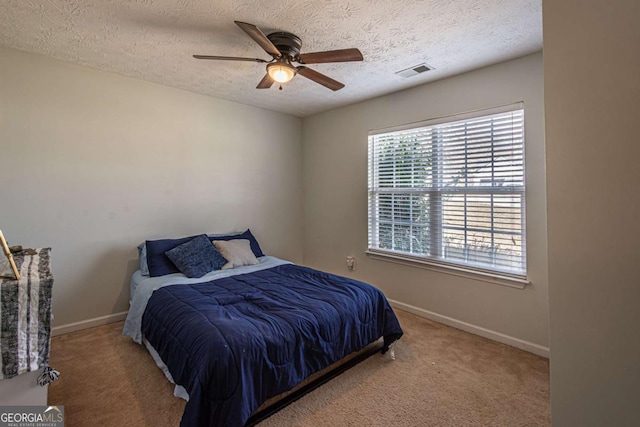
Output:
x,y
237,252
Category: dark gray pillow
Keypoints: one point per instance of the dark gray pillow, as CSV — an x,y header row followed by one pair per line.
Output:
x,y
196,257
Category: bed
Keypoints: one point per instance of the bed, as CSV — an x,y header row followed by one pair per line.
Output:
x,y
235,338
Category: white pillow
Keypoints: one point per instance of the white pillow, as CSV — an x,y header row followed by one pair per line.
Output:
x,y
237,252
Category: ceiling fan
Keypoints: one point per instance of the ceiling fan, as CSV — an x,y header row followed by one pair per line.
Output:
x,y
285,48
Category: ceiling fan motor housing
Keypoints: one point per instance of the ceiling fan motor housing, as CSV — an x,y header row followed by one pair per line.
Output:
x,y
288,44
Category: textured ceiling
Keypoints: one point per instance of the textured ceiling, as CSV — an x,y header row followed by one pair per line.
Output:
x,y
154,39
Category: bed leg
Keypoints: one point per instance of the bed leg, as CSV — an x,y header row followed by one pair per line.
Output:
x,y
392,350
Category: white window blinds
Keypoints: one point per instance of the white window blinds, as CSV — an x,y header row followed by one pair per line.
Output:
x,y
451,191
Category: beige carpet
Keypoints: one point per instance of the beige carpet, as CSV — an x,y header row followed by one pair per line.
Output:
x,y
441,377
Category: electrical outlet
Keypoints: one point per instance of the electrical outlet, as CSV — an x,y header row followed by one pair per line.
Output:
x,y
351,263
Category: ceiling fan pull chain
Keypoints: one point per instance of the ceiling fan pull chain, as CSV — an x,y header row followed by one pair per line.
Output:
x,y
280,87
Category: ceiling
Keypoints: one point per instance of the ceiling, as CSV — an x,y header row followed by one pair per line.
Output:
x,y
153,40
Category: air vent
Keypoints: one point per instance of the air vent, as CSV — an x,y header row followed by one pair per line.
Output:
x,y
414,71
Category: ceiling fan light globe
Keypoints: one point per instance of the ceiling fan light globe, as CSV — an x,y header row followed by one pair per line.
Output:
x,y
281,72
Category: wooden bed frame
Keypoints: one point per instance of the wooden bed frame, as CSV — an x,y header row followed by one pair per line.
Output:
x,y
281,401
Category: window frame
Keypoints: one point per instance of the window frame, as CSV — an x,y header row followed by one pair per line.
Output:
x,y
485,273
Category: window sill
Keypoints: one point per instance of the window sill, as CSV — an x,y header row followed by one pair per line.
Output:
x,y
496,278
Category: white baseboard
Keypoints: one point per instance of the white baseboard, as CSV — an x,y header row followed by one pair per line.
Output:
x,y
89,323
458,324
474,329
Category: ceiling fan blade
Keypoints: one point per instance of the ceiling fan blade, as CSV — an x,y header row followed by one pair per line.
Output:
x,y
320,78
229,58
265,83
259,37
342,55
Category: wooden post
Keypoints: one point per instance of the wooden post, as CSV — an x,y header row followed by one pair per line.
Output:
x,y
9,255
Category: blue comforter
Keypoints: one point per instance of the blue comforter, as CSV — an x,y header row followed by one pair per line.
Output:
x,y
235,342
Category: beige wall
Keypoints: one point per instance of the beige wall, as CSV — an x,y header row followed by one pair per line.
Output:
x,y
92,164
335,200
592,108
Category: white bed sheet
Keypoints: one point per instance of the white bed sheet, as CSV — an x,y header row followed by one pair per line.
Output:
x,y
178,390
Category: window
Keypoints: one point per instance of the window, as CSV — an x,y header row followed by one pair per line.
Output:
x,y
451,191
